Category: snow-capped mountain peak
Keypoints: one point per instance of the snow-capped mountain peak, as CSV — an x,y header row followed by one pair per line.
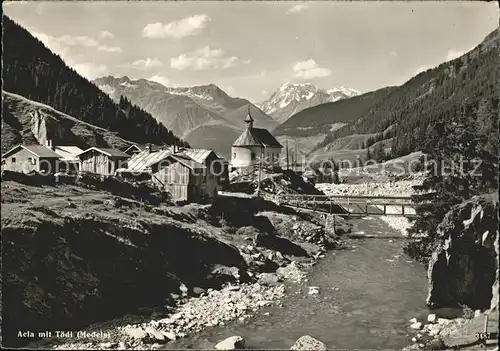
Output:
x,y
291,98
343,90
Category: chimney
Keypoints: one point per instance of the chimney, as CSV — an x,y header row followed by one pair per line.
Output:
x,y
48,143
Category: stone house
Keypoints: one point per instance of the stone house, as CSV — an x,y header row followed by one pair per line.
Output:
x,y
27,158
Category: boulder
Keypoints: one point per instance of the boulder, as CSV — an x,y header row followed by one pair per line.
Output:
x,y
156,335
313,290
268,279
231,343
135,332
432,318
198,291
416,326
307,342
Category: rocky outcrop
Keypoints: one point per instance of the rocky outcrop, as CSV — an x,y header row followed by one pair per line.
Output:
x,y
463,269
29,122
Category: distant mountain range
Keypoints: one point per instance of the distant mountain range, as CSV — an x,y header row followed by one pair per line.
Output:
x,y
290,99
200,114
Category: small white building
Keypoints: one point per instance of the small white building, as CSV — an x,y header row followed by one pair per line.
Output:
x,y
252,145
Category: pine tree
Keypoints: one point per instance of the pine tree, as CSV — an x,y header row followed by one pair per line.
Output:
x,y
379,153
368,154
452,150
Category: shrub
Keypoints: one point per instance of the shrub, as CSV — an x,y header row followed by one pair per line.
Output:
x,y
467,312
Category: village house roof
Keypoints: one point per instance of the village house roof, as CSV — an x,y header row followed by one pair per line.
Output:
x,y
142,161
68,153
182,159
40,151
199,155
188,162
257,137
134,146
106,151
142,147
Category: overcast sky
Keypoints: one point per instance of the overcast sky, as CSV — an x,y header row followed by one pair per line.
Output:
x,y
250,48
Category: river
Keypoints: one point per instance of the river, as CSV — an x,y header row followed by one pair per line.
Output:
x,y
368,292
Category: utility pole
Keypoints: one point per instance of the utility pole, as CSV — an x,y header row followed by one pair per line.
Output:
x,y
296,156
287,167
260,172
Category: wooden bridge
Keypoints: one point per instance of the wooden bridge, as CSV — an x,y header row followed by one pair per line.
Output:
x,y
350,206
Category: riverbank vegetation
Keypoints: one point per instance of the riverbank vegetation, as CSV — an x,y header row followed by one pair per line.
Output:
x,y
461,162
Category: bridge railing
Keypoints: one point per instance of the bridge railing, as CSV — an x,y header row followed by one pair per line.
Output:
x,y
351,205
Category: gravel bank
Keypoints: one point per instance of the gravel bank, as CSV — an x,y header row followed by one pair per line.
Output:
x,y
193,314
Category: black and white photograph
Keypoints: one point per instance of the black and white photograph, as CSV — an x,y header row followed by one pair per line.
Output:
x,y
260,175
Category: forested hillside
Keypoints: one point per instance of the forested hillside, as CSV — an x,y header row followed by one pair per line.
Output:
x,y
33,71
320,118
436,95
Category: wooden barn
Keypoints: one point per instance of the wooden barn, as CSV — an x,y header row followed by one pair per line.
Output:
x,y
215,165
69,161
104,161
28,158
184,178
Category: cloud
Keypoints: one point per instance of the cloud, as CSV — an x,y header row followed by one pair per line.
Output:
x,y
177,29
205,58
54,44
393,54
91,70
297,8
160,79
309,69
144,64
106,48
264,92
79,40
60,45
104,34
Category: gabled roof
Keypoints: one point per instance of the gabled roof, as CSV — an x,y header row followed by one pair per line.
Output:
x,y
142,161
142,147
257,137
135,146
184,160
106,151
68,152
199,155
37,150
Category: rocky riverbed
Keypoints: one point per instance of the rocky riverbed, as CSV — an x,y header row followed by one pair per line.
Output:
x,y
475,330
195,313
